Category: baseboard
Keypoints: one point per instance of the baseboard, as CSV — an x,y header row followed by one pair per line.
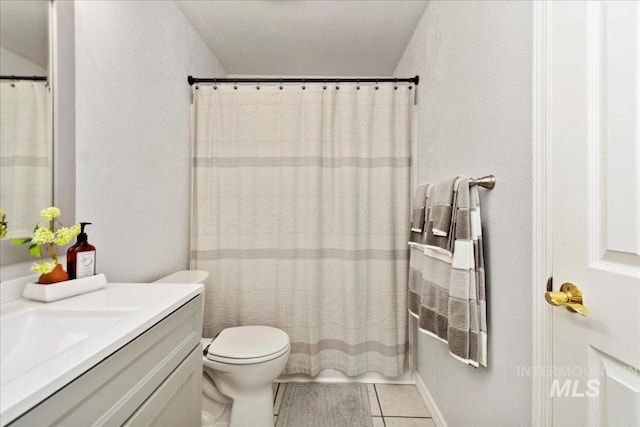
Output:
x,y
333,376
436,415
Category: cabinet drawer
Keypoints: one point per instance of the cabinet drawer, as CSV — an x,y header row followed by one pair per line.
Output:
x,y
178,400
110,392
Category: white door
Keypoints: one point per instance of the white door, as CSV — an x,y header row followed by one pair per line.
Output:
x,y
595,132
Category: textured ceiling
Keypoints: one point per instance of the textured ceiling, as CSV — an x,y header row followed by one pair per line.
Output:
x,y
306,38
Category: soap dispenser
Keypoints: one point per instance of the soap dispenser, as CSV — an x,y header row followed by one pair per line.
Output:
x,y
81,257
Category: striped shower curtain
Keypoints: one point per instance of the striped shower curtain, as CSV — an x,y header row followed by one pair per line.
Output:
x,y
26,175
300,209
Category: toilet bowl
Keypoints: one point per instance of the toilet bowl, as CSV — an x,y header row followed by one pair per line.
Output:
x,y
239,367
242,362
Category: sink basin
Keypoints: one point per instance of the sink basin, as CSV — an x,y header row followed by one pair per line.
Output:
x,y
32,337
44,347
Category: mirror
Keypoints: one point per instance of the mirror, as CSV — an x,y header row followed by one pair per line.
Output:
x,y
26,137
60,24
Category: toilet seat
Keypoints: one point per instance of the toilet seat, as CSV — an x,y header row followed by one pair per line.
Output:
x,y
244,345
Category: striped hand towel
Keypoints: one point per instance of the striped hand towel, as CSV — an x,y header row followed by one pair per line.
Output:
x,y
441,207
444,196
447,290
417,209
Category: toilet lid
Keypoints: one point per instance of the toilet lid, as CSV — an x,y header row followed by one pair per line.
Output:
x,y
248,342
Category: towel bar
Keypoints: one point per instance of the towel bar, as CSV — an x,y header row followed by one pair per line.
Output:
x,y
488,182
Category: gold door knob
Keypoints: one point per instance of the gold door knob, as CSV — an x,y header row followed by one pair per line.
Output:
x,y
569,297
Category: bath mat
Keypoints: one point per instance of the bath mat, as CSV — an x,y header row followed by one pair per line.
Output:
x,y
325,405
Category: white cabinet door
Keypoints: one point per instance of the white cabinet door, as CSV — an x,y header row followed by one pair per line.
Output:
x,y
178,401
595,132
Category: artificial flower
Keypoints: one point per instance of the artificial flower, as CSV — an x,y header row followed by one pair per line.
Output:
x,y
49,214
42,236
3,225
65,234
44,267
48,237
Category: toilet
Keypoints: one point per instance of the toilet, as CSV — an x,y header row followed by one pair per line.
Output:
x,y
239,367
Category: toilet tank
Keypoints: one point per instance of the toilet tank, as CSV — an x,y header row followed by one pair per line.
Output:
x,y
185,276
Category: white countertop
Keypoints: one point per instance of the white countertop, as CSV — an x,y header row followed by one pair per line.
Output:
x,y
125,309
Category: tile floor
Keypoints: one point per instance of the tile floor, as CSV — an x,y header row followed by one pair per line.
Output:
x,y
392,405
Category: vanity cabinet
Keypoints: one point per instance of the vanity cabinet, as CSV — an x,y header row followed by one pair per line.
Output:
x,y
155,379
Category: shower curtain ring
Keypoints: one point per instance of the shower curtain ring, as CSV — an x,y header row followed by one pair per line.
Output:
x,y
376,84
358,84
304,81
257,84
215,83
324,86
280,84
235,84
395,83
337,84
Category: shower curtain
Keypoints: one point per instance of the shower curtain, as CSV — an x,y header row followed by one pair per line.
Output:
x,y
300,209
25,154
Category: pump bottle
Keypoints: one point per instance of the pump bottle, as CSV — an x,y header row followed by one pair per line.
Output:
x,y
81,257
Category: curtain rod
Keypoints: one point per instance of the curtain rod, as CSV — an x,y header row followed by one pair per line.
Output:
x,y
41,78
193,80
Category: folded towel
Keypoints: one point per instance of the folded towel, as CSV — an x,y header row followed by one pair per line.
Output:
x,y
442,215
467,328
443,199
419,236
447,289
417,212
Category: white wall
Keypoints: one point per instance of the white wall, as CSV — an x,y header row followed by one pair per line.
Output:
x,y
474,62
133,133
